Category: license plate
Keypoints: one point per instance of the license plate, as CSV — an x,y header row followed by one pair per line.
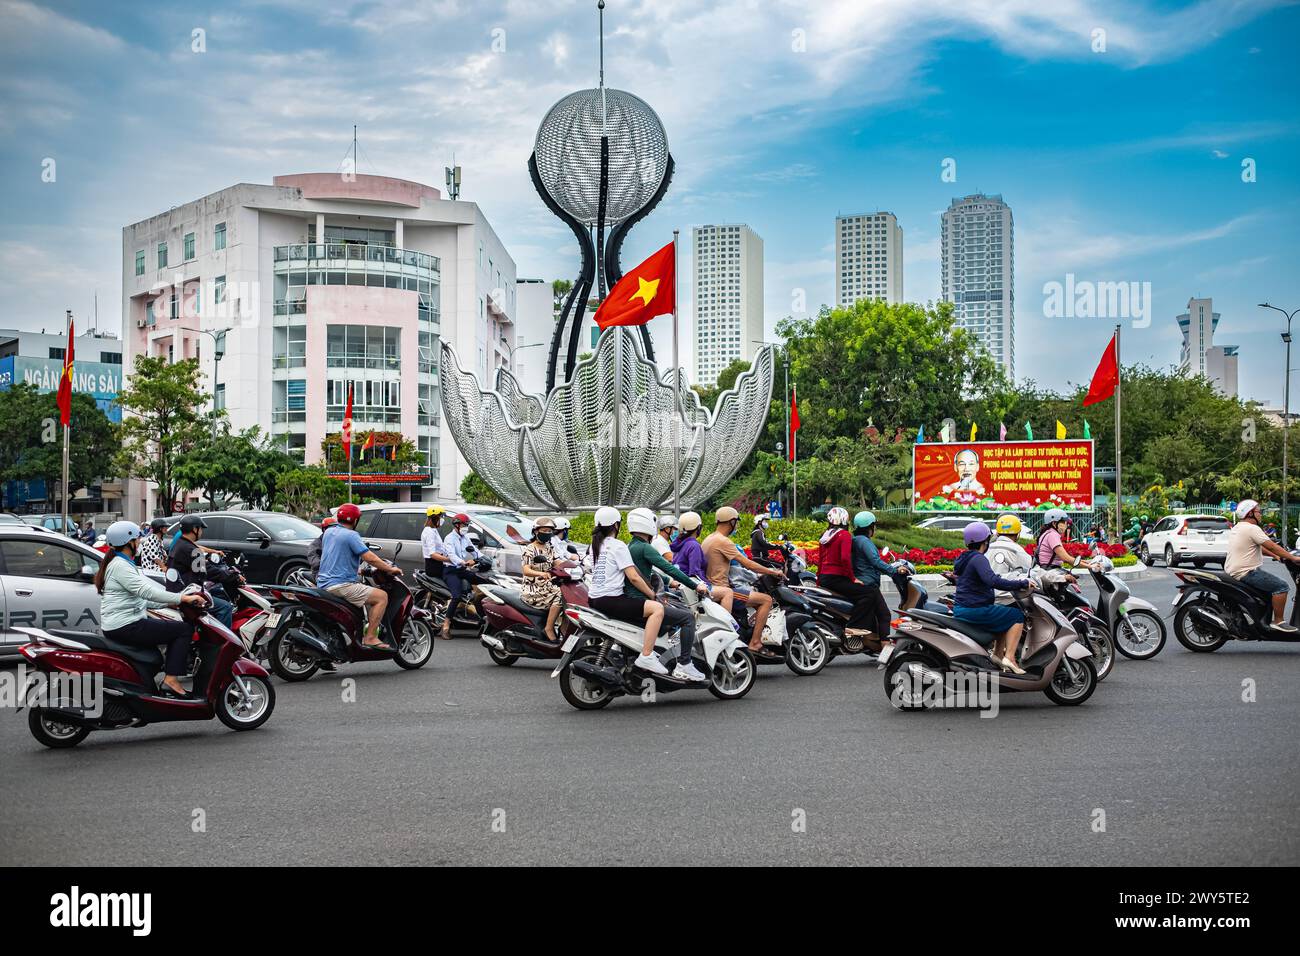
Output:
x,y
272,620
885,654
571,643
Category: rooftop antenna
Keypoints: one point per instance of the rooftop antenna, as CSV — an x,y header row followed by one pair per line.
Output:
x,y
453,179
355,160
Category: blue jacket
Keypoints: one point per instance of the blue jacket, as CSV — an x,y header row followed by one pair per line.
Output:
x,y
867,564
976,580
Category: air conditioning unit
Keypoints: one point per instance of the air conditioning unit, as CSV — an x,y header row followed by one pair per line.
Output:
x,y
140,323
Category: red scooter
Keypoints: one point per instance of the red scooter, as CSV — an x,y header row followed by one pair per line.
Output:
x,y
316,627
512,628
228,685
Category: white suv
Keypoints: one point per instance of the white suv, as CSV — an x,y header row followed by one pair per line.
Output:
x,y
1198,539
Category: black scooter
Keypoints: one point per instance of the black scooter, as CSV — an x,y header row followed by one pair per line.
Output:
x,y
1213,607
791,637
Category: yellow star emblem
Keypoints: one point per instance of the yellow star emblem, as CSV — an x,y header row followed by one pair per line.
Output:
x,y
646,290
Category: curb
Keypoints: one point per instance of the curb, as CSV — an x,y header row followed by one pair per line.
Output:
x,y
1137,572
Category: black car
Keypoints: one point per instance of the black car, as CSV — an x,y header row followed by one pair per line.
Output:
x,y
274,545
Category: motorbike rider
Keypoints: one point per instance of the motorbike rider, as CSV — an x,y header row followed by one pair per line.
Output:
x,y
461,555
868,566
1005,552
835,573
1247,542
540,590
431,542
663,541
758,543
342,550
647,560
1049,550
612,569
562,529
189,564
126,594
719,552
973,600
314,551
688,556
152,550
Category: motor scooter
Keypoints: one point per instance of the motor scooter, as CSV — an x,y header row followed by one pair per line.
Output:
x,y
228,684
1213,607
512,628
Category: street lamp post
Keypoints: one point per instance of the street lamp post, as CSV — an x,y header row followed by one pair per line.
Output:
x,y
786,352
1286,415
218,350
512,349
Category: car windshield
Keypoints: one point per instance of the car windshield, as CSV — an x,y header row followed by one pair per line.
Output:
x,y
288,528
497,521
1207,524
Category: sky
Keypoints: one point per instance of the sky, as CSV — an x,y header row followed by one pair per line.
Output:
x,y
1139,141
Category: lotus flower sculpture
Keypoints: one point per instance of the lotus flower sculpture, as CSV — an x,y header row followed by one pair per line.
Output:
x,y
607,435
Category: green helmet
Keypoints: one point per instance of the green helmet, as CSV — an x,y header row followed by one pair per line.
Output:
x,y
864,519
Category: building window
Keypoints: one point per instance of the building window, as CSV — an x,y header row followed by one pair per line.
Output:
x,y
219,396
187,247
219,290
162,255
111,358
139,263
219,236
58,354
290,346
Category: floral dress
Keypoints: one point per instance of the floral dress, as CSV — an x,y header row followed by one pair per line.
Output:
x,y
540,592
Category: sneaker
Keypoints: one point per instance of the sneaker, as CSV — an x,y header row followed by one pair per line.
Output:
x,y
652,664
688,672
1284,627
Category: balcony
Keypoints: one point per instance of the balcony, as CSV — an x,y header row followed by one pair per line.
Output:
x,y
341,255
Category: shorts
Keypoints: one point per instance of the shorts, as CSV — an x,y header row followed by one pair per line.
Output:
x,y
352,593
620,608
994,618
1261,580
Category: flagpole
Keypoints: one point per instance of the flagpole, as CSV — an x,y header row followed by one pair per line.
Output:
x,y
1119,495
677,397
66,429
794,461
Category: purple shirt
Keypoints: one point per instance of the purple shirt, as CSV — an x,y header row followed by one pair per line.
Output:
x,y
689,557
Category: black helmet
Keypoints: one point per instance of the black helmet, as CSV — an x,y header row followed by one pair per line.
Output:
x,y
190,522
158,524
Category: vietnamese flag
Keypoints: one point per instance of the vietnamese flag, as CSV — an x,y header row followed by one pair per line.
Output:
x,y
370,440
794,419
65,384
647,291
1105,378
346,433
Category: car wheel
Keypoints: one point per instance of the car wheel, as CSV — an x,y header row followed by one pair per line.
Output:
x,y
1170,560
289,569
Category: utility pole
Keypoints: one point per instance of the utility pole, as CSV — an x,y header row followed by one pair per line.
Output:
x,y
1286,419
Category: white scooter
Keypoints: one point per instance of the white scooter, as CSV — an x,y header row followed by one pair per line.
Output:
x,y
599,657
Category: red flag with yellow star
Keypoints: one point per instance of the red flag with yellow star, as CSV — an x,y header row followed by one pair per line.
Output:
x,y
65,384
647,291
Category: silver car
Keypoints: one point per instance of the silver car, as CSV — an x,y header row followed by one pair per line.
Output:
x,y
499,532
46,581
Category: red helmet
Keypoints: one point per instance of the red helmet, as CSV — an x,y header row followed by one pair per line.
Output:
x,y
348,513
327,521
461,518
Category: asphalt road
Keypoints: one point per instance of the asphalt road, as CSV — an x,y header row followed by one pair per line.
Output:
x,y
465,762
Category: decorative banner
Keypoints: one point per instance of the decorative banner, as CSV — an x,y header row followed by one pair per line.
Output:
x,y
1002,476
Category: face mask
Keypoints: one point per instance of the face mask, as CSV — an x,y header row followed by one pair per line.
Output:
x,y
673,536
544,536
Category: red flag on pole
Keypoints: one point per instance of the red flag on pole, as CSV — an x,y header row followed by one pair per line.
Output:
x,y
370,440
647,291
794,420
346,433
1105,378
65,384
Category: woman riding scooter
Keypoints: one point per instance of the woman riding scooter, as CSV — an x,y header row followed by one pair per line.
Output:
x,y
127,594
835,573
868,566
973,601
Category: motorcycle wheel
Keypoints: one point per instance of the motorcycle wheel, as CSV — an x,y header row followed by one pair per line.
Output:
x,y
52,732
580,692
1190,636
502,658
1140,635
246,703
286,663
1073,682
415,647
898,696
1103,651
807,651
725,685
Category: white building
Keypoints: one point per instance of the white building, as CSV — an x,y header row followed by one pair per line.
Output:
x,y
318,281
978,273
868,258
534,326
728,294
1199,354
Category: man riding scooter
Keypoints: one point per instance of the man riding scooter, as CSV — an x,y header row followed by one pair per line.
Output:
x,y
189,563
1247,542
342,550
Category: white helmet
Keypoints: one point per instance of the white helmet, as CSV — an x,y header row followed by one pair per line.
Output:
x,y
761,519
122,533
639,521
561,524
667,521
689,522
1245,508
607,516
837,518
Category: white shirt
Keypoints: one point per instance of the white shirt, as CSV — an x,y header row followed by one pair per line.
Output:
x,y
430,542
607,577
660,544
1008,558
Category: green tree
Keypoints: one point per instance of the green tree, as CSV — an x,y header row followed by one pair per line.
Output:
x,y
308,491
560,289
475,491
245,466
31,440
726,379
161,421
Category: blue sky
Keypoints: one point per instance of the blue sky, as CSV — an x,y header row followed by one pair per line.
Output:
x,y
1122,165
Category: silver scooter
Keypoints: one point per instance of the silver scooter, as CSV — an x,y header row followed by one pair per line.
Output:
x,y
1135,624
